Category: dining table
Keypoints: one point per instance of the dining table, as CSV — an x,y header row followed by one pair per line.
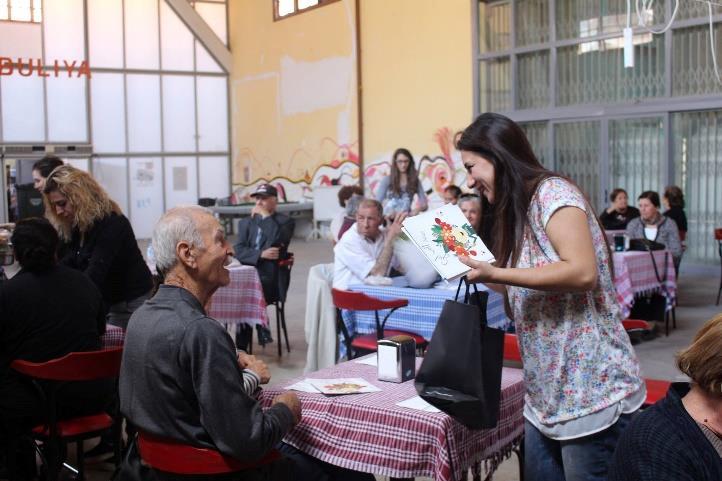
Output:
x,y
635,276
372,433
422,312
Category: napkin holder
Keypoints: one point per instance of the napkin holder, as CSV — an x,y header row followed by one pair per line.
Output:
x,y
396,358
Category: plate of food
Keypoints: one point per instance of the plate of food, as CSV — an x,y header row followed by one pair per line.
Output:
x,y
353,385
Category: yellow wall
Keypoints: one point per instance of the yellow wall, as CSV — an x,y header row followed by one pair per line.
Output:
x,y
417,90
417,78
293,96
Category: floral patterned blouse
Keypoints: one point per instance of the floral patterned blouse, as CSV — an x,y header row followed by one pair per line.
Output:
x,y
577,357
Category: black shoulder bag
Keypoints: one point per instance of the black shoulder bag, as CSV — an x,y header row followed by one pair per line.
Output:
x,y
461,370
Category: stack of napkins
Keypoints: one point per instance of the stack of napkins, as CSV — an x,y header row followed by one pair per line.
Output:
x,y
444,234
347,385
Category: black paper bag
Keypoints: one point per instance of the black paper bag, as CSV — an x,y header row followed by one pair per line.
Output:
x,y
461,370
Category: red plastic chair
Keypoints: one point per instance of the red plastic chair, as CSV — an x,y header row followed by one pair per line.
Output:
x,y
656,390
511,348
177,458
633,325
75,366
358,301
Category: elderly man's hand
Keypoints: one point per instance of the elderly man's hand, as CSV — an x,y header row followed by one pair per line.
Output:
x,y
258,210
250,362
272,253
291,400
395,228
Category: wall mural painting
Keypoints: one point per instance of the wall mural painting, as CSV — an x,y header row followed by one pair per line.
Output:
x,y
435,171
338,164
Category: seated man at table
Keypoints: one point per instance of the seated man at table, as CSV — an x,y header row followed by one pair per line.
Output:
x,y
181,379
46,311
652,225
263,239
365,250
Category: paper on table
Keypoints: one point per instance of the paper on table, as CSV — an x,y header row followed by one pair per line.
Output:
x,y
370,360
303,386
419,404
345,385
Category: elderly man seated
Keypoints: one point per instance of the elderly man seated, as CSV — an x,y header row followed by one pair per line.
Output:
x,y
365,250
181,379
263,239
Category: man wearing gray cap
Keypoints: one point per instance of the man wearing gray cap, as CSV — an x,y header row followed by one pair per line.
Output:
x,y
263,239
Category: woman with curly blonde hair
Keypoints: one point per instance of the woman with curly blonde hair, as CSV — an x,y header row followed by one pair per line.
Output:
x,y
100,240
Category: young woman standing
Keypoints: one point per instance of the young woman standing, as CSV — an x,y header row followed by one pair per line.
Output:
x,y
581,374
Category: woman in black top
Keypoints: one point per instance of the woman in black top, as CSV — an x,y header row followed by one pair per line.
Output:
x,y
619,213
46,312
101,241
674,201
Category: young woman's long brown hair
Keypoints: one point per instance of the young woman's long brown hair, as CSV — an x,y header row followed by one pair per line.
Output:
x,y
88,199
412,176
517,174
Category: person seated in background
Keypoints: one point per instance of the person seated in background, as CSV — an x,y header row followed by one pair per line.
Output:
x,y
398,190
470,205
680,437
349,197
365,250
619,213
673,199
652,225
181,378
46,311
451,194
263,239
101,241
42,169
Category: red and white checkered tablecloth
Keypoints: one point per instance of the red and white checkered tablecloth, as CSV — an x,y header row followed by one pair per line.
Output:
x,y
242,300
634,275
114,337
370,433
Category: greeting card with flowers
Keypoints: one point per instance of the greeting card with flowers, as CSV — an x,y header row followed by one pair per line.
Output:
x,y
442,235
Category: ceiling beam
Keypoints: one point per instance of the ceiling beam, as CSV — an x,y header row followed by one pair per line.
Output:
x,y
205,35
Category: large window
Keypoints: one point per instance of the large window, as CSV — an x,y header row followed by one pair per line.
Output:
x,y
21,10
557,67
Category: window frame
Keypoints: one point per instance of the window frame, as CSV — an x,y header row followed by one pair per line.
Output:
x,y
296,10
32,7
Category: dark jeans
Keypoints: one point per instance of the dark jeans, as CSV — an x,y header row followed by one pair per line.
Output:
x,y
581,459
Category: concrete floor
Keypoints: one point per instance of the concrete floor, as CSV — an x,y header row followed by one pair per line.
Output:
x,y
697,291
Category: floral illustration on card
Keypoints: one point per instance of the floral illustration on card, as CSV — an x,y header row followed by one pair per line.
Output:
x,y
452,238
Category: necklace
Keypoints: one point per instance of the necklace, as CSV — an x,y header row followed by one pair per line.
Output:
x,y
707,424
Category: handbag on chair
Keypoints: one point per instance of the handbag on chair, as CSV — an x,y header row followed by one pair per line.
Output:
x,y
461,370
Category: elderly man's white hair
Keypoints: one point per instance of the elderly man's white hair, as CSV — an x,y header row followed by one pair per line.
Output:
x,y
176,225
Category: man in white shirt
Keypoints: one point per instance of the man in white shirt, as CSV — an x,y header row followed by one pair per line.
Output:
x,y
365,250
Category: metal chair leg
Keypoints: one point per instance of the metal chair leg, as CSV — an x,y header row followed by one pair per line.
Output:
x,y
283,325
278,330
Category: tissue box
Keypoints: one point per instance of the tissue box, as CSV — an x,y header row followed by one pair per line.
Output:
x,y
396,358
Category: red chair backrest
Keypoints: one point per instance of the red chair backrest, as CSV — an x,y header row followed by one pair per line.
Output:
x,y
511,348
75,366
718,234
288,262
173,457
656,390
358,301
635,324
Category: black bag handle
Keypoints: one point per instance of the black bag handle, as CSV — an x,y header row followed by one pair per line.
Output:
x,y
660,279
464,280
